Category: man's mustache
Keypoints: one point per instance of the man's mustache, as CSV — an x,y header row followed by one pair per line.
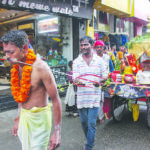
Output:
x,y
83,49
87,51
100,52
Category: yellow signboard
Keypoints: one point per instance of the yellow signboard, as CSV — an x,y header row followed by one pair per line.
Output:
x,y
103,27
90,30
26,26
119,8
122,5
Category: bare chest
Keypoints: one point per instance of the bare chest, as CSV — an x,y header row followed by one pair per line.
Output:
x,y
33,79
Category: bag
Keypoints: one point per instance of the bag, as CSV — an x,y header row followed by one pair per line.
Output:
x,y
70,96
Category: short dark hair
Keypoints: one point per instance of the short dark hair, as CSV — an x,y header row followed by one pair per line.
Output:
x,y
112,45
88,38
107,43
17,37
70,63
105,47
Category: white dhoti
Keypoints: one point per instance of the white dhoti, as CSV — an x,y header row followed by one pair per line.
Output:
x,y
101,113
70,96
35,127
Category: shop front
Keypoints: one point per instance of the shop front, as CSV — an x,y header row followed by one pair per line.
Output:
x,y
139,16
51,30
108,23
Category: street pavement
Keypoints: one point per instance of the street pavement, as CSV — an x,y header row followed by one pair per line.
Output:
x,y
126,135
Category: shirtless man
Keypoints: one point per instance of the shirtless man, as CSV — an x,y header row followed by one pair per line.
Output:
x,y
33,123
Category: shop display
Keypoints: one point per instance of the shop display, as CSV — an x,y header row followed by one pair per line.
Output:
x,y
59,74
50,47
50,54
54,59
58,66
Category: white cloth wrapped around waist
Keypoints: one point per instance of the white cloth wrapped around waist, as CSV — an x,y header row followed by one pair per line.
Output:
x,y
35,127
70,96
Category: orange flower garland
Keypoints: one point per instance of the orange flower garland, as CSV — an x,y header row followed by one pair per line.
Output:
x,y
20,90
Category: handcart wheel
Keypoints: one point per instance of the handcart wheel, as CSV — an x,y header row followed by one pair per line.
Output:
x,y
118,108
148,114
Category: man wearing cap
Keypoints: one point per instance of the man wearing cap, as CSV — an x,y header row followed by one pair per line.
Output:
x,y
100,46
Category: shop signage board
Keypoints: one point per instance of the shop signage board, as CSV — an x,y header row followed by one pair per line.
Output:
x,y
122,5
74,8
103,27
48,25
119,8
26,26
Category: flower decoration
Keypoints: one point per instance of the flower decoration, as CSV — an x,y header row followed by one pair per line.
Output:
x,y
21,88
132,62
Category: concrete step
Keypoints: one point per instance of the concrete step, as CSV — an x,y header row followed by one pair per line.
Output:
x,y
5,99
5,91
7,103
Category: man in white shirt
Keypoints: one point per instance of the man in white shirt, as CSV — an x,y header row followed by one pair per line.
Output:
x,y
100,46
89,66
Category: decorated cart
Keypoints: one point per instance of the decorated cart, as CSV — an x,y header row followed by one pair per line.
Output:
x,y
120,97
134,85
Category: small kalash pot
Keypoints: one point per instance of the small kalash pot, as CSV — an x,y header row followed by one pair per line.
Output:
x,y
129,78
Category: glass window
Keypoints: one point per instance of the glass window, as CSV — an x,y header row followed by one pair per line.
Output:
x,y
47,35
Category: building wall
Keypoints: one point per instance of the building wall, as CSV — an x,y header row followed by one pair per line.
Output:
x,y
111,23
67,41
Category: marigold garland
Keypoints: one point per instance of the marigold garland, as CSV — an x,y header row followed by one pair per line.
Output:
x,y
21,88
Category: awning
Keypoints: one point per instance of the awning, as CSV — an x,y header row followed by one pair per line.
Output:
x,y
118,8
136,20
140,12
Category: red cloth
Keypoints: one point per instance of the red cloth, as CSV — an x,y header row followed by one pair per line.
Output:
x,y
107,105
99,42
107,108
